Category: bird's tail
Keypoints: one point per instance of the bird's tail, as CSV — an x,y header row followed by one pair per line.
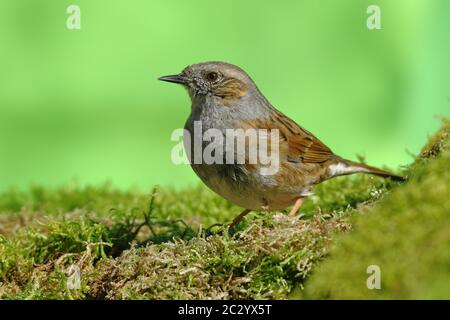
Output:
x,y
344,167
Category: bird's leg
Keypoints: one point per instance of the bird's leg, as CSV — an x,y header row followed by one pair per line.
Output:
x,y
297,205
238,218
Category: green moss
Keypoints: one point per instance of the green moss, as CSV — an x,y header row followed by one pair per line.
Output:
x,y
265,260
165,244
407,235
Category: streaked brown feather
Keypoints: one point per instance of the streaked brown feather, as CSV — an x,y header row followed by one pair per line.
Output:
x,y
230,90
298,144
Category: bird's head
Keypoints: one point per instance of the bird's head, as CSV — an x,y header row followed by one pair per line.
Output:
x,y
218,79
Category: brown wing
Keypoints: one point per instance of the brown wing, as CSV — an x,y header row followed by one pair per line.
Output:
x,y
301,145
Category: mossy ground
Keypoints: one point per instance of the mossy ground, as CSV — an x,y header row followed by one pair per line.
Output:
x,y
168,244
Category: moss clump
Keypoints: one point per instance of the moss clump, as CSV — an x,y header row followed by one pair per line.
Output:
x,y
126,253
263,261
407,235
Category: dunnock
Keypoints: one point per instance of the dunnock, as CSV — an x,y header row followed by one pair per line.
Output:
x,y
225,97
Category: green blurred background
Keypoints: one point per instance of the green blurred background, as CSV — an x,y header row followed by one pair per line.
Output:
x,y
85,105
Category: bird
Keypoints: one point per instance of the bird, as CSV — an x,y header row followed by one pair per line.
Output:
x,y
225,97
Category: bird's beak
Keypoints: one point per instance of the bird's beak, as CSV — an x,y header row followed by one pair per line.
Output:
x,y
177,78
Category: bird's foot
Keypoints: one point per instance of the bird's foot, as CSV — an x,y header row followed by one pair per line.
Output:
x,y
298,203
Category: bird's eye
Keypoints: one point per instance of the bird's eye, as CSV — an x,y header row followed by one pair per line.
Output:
x,y
212,76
